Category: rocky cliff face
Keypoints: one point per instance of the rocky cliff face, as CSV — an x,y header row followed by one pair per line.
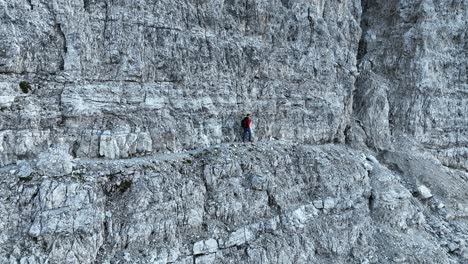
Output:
x,y
118,79
119,124
418,79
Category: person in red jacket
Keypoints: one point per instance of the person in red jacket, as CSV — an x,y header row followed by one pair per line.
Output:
x,y
245,124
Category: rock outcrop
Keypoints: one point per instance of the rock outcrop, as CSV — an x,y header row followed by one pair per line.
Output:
x,y
119,130
413,65
118,79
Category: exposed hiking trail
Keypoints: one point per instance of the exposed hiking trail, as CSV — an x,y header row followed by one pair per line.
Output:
x,y
111,111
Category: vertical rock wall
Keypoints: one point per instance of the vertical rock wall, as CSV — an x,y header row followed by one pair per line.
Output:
x,y
413,63
119,122
119,79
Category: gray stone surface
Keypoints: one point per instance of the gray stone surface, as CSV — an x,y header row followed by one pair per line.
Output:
x,y
424,192
120,144
119,79
413,75
205,246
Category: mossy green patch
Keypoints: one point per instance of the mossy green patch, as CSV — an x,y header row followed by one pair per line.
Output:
x,y
125,185
25,86
26,179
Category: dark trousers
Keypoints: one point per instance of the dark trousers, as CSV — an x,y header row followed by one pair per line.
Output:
x,y
247,130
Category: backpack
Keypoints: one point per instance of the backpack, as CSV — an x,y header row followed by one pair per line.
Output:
x,y
244,122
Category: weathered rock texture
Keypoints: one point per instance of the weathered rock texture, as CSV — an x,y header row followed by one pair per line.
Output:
x,y
413,62
117,123
118,78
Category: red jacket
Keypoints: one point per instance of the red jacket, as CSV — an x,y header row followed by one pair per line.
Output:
x,y
248,122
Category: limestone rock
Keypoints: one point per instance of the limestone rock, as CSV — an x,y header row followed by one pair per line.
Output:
x,y
25,169
122,147
318,204
55,162
206,259
424,192
239,237
205,246
259,182
414,69
6,101
328,203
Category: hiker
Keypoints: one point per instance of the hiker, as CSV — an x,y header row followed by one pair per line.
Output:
x,y
245,124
